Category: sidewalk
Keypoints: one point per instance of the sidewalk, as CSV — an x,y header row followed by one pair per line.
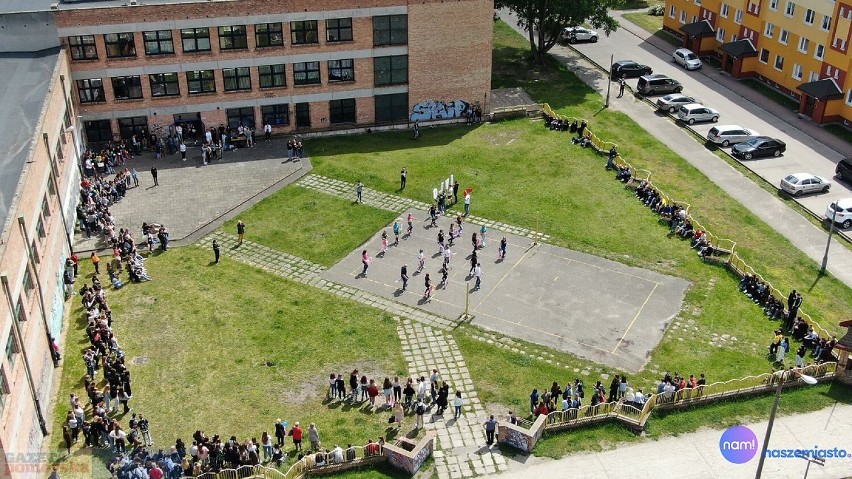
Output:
x,y
793,226
697,455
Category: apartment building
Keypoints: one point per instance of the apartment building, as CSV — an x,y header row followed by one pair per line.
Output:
x,y
799,48
39,182
297,65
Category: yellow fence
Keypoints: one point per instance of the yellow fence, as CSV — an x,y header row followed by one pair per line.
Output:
x,y
634,416
722,245
296,471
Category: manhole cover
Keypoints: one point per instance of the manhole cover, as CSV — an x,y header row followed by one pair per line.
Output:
x,y
140,360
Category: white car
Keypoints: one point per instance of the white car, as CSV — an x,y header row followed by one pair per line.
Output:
x,y
686,58
697,112
729,134
799,184
579,34
841,212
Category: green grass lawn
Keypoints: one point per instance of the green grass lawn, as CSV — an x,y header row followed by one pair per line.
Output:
x,y
229,348
313,225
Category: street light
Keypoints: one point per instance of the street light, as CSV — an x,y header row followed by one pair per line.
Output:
x,y
808,380
830,233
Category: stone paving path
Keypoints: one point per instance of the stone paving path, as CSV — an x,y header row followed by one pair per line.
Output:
x,y
399,204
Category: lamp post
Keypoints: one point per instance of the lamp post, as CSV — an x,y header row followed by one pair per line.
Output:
x,y
808,380
609,81
828,243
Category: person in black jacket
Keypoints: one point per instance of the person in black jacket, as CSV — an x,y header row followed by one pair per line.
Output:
x,y
280,432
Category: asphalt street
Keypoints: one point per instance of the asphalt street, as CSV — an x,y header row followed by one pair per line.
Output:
x,y
767,206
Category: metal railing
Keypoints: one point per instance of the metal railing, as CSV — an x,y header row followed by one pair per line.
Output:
x,y
733,261
296,470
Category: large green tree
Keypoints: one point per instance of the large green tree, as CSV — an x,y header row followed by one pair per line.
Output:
x,y
544,19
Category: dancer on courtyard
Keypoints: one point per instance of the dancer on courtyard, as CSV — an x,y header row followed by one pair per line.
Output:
x,y
403,276
473,262
433,215
482,232
421,261
410,225
441,246
501,252
444,273
451,234
396,232
427,295
384,249
365,260
447,255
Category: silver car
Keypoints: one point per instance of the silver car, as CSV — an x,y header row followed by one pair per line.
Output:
x,y
672,103
799,184
694,112
726,135
687,58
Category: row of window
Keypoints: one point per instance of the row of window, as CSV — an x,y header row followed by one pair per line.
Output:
x,y
392,70
388,109
387,30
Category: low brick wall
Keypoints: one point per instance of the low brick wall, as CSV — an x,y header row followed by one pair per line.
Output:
x,y
520,437
410,461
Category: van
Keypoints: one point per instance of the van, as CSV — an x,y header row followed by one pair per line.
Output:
x,y
658,85
844,169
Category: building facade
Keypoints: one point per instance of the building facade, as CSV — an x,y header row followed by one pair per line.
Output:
x,y
799,48
297,65
39,193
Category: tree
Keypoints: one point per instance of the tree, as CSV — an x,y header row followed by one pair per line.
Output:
x,y
544,19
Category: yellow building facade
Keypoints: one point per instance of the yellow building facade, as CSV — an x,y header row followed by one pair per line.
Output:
x,y
800,48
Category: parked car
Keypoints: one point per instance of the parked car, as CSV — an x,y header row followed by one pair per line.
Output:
x,y
658,85
697,112
579,34
730,134
799,184
759,146
686,58
841,212
844,169
629,69
672,103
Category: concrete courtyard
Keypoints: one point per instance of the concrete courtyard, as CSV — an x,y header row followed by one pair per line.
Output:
x,y
572,302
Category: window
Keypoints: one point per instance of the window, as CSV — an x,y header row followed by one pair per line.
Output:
x,y
127,88
683,16
304,32
276,115
720,34
391,70
58,149
28,282
303,115
390,30
98,131
237,79
753,8
45,207
738,16
164,84
764,56
119,45
127,127
341,111
773,4
272,76
797,71
306,73
809,17
784,37
338,30
83,47
849,97
158,42
672,11
91,90
826,23
4,389
790,10
11,348
779,62
814,76
819,52
195,39
804,43
202,81
240,116
269,34
233,37
390,108
341,70
733,37
42,234
723,11
769,30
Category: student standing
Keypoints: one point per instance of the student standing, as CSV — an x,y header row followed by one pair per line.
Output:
x,y
359,188
490,429
267,132
182,151
216,250
403,275
154,175
478,273
96,261
402,178
501,253
457,404
467,204
241,230
621,84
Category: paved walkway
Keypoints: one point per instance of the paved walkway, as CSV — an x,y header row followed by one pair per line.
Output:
x,y
696,455
765,205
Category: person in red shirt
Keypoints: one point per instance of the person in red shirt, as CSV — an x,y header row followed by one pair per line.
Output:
x,y
155,473
372,392
296,432
542,409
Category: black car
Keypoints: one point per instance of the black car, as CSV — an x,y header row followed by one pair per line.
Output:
x,y
758,146
629,69
844,169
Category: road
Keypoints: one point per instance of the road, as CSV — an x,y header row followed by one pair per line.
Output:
x,y
804,153
767,206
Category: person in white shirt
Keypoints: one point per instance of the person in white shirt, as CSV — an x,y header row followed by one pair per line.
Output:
x,y
267,132
337,454
183,151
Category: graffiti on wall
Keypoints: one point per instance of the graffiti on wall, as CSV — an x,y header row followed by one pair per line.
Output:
x,y
438,110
